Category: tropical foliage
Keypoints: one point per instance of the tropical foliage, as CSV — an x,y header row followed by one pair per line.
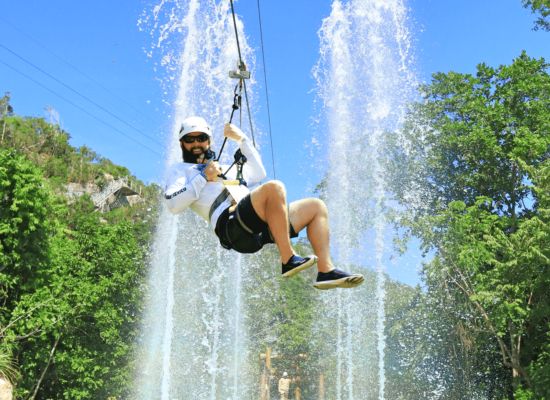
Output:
x,y
71,285
475,152
46,144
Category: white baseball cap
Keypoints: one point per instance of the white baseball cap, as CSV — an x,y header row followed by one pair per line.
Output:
x,y
194,124
285,374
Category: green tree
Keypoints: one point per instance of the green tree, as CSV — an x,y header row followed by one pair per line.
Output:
x,y
71,290
501,277
461,168
5,110
99,270
542,7
24,203
465,140
47,146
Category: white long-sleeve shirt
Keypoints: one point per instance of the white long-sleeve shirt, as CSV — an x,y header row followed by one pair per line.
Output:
x,y
187,188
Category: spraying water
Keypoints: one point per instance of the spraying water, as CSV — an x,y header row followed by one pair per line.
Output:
x,y
238,334
167,346
363,80
192,335
194,340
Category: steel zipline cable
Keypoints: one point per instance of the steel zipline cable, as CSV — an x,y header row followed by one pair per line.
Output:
x,y
100,107
79,71
80,108
266,91
241,61
81,95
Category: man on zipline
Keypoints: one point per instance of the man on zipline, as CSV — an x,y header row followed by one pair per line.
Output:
x,y
261,217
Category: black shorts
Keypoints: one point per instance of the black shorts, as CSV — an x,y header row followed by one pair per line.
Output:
x,y
243,230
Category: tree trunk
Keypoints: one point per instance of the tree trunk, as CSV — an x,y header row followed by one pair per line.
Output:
x,y
513,196
45,369
4,128
515,355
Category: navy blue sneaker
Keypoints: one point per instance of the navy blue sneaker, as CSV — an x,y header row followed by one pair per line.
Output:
x,y
297,264
337,279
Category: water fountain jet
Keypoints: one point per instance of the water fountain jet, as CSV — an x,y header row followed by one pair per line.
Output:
x,y
363,82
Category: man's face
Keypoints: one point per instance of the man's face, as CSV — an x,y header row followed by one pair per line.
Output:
x,y
195,151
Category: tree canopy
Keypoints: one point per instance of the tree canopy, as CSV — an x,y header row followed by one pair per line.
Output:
x,y
543,8
71,283
471,170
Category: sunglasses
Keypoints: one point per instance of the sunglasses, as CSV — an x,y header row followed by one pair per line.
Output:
x,y
191,139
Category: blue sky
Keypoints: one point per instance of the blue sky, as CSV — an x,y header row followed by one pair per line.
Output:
x,y
102,40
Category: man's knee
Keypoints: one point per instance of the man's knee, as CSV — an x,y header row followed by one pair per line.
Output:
x,y
268,190
320,206
275,188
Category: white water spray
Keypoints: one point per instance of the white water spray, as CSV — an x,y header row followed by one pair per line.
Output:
x,y
167,346
238,333
192,335
363,80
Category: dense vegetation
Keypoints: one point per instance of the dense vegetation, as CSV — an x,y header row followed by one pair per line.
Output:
x,y
71,285
470,171
476,150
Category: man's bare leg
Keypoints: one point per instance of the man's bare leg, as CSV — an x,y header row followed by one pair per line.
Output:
x,y
313,214
269,202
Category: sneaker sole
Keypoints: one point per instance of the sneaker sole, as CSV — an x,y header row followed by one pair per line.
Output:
x,y
292,272
351,282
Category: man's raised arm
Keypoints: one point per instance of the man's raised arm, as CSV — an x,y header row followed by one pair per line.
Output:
x,y
253,171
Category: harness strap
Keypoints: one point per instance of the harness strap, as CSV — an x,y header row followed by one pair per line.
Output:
x,y
242,223
219,200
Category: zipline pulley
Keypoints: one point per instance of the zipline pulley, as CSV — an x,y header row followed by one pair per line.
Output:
x,y
240,72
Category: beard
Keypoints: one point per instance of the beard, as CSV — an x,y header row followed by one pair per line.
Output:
x,y
193,158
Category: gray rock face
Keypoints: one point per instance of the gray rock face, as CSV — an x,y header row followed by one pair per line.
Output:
x,y
6,390
77,189
136,198
114,193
